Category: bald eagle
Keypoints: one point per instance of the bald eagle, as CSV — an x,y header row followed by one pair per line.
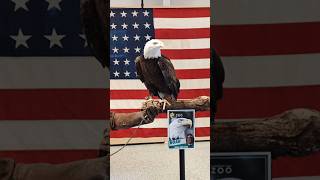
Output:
x,y
178,127
157,72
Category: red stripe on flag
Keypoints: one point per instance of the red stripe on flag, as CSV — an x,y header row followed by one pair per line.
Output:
x,y
182,33
49,156
296,166
181,13
266,39
193,74
265,102
152,132
141,94
49,104
186,53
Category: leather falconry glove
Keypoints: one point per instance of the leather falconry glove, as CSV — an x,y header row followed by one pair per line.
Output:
x,y
128,120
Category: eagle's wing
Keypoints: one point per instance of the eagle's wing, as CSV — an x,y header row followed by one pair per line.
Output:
x,y
169,75
152,89
138,68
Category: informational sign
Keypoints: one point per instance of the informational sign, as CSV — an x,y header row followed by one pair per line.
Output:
x,y
241,166
181,128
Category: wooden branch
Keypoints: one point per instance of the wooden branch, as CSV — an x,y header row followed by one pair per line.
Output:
x,y
201,103
295,133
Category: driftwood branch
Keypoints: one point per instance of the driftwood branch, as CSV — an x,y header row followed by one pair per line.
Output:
x,y
201,103
294,133
128,120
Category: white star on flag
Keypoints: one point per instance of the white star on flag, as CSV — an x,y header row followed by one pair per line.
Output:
x,y
124,26
126,62
21,39
146,13
135,25
125,38
115,50
116,74
116,62
127,73
123,14
20,4
148,37
113,26
112,14
137,49
135,13
126,50
55,39
136,37
147,25
114,38
54,4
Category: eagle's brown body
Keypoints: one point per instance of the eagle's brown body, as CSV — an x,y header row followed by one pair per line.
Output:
x,y
159,77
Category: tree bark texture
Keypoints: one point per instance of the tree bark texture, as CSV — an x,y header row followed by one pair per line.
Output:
x,y
201,103
293,133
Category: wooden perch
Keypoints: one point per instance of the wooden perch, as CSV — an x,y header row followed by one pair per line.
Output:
x,y
201,103
295,132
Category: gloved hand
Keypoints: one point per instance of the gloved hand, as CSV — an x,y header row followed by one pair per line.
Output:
x,y
149,114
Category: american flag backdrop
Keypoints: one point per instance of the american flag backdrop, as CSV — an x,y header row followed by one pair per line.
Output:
x,y
186,36
52,92
270,50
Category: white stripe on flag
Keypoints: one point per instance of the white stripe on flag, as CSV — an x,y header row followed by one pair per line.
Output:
x,y
230,12
51,134
191,63
181,23
52,72
203,43
272,71
138,85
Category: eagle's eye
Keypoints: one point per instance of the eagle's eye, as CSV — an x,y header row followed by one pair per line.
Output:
x,y
154,43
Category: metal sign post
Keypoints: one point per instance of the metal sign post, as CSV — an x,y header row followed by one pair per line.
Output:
x,y
182,164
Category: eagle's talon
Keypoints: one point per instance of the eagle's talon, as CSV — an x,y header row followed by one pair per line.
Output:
x,y
164,102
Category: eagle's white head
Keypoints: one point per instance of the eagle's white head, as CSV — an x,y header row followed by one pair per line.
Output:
x,y
178,127
152,49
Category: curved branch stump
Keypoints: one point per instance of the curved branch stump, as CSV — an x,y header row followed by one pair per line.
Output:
x,y
295,133
201,103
